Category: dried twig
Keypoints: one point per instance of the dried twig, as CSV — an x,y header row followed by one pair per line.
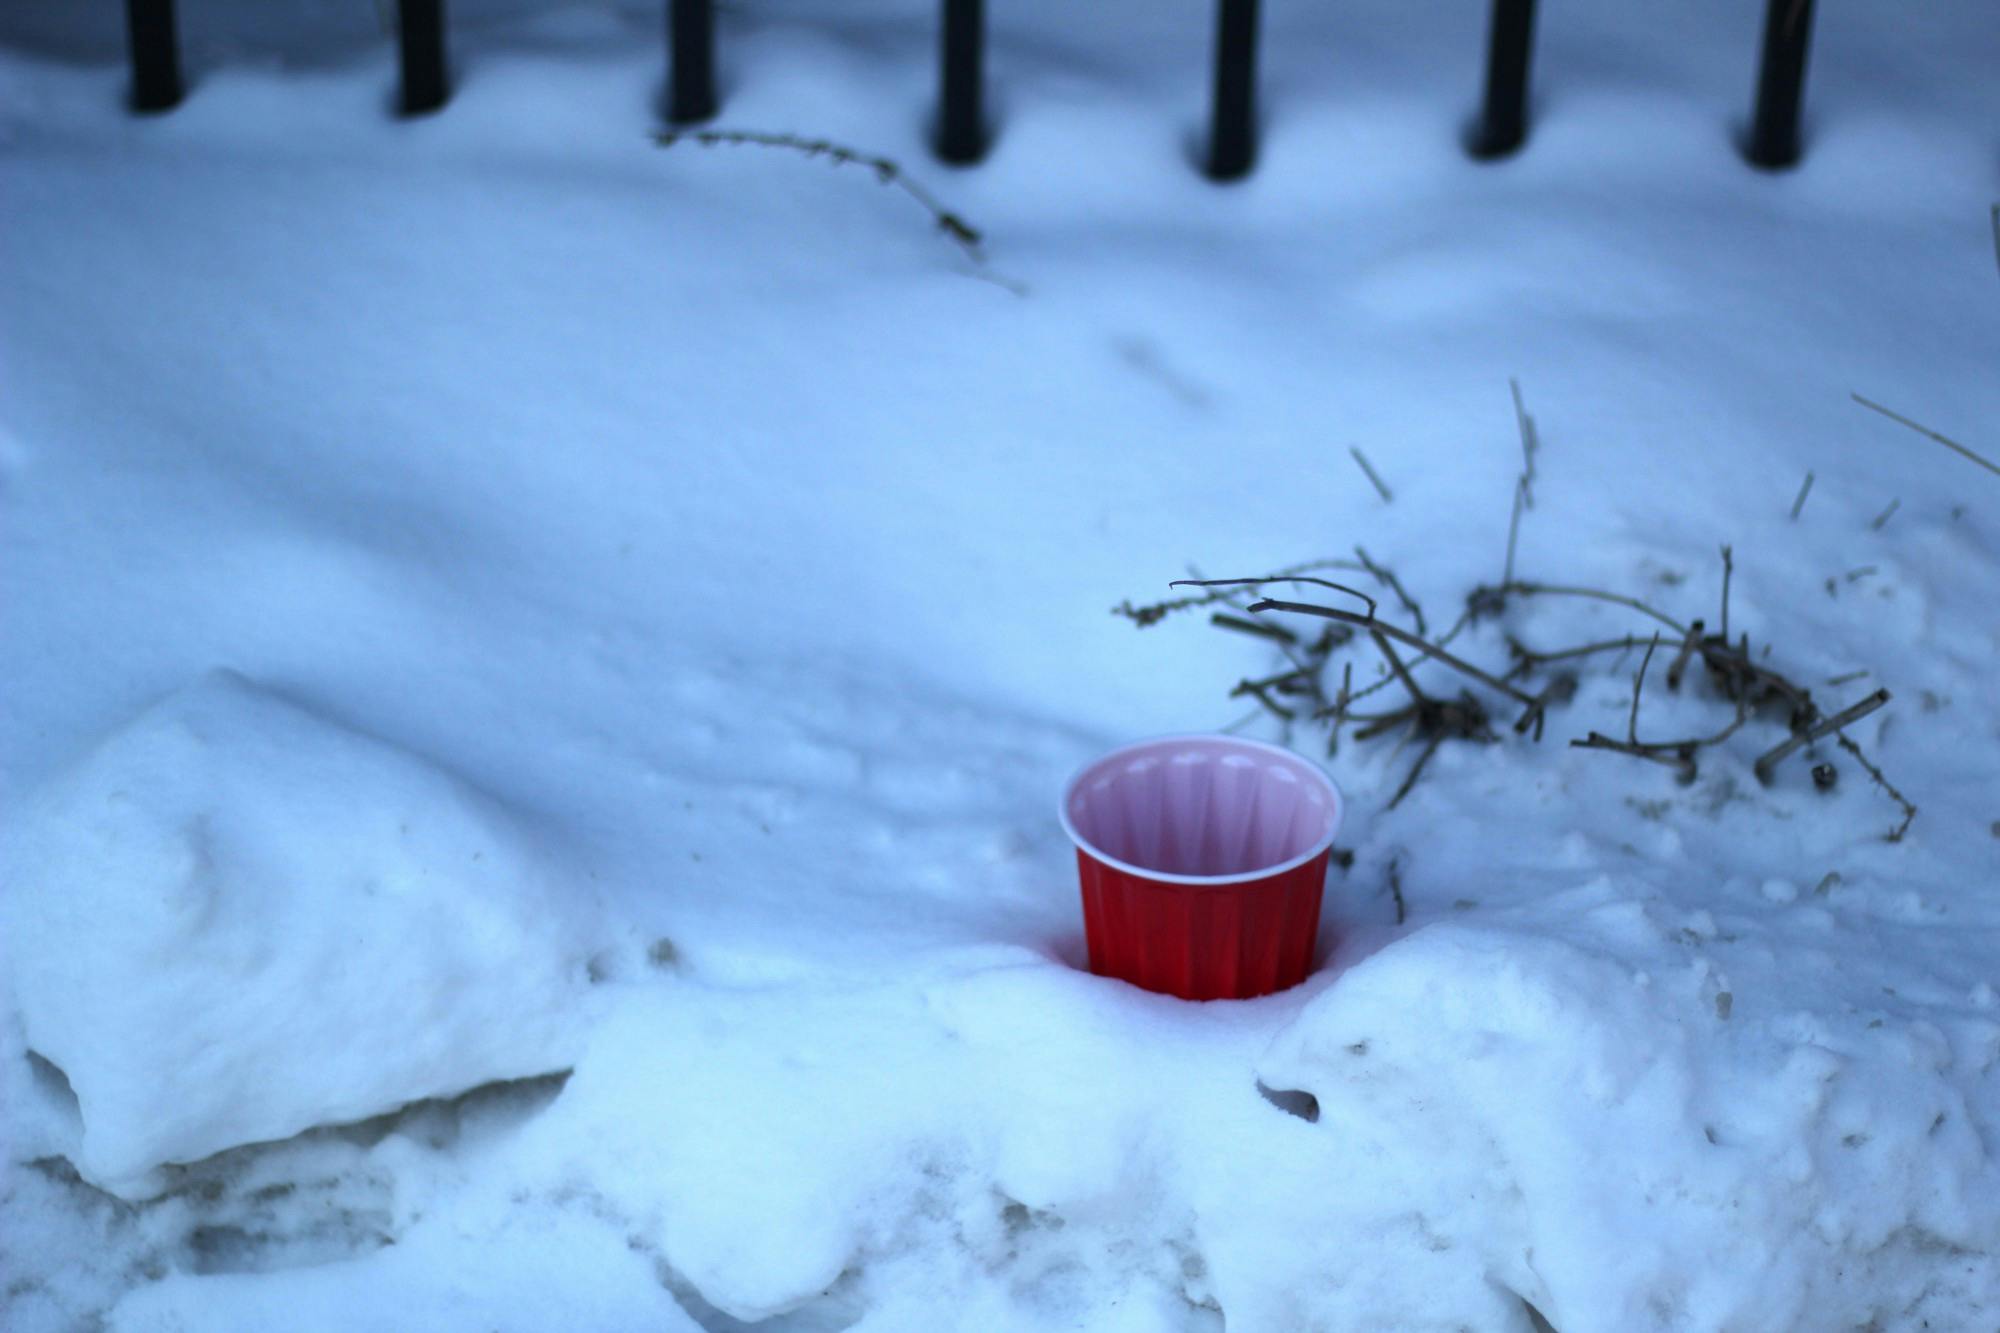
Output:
x,y
1339,710
886,170
1909,811
1728,568
1389,580
1530,442
1881,520
1513,533
1680,758
1396,890
1527,659
1804,491
1497,596
1263,629
1416,771
1417,696
1690,645
1362,459
1944,440
1282,578
1639,684
1807,735
1403,636
1225,591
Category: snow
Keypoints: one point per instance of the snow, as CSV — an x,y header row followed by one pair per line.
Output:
x,y
538,670
234,921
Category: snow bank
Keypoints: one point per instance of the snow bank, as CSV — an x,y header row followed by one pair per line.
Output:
x,y
1811,1171
235,920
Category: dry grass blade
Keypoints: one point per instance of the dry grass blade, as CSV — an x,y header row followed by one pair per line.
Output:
x,y
1927,432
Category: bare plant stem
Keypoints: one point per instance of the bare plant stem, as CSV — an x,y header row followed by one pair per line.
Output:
x,y
1513,532
1530,442
1388,579
1262,629
1944,440
1728,568
1909,811
1396,665
1380,487
1690,645
1597,594
1416,771
1846,716
1639,684
1369,622
1804,491
886,170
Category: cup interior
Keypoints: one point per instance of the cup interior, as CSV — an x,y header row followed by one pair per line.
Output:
x,y
1206,808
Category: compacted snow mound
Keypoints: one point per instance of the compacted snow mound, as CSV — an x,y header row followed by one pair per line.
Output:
x,y
235,920
1784,1174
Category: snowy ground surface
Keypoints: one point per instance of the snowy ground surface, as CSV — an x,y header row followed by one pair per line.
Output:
x,y
536,669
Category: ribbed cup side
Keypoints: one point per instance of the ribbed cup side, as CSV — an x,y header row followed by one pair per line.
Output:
x,y
1199,941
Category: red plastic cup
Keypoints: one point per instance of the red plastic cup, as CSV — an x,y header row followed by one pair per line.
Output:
x,y
1203,862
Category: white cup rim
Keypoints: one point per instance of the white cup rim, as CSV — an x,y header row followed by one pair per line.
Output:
x,y
1290,756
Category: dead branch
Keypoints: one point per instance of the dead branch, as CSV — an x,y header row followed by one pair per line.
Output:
x,y
1804,491
885,169
1926,431
1362,459
1776,754
1881,520
1396,890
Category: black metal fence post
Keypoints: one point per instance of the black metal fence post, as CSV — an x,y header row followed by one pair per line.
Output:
x,y
155,51
1503,124
421,24
1781,82
691,88
961,137
1232,144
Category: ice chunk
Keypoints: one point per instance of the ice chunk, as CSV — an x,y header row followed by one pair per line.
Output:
x,y
236,919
